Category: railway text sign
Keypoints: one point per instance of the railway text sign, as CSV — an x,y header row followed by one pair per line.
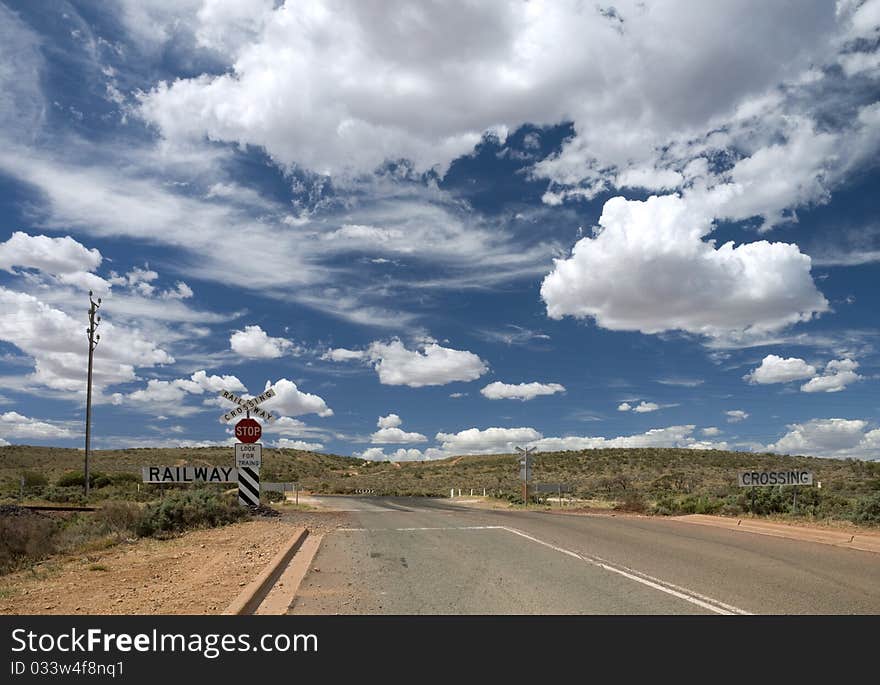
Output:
x,y
189,474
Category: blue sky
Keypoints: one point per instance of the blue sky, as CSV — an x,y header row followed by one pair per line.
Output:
x,y
443,230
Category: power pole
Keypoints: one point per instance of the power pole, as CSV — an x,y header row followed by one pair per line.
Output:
x,y
94,338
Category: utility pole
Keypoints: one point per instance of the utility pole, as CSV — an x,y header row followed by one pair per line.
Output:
x,y
94,338
525,470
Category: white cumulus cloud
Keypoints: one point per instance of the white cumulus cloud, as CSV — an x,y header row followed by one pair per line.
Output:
x,y
837,375
833,437
642,407
15,426
400,454
254,343
390,433
433,364
291,401
774,369
395,436
736,415
646,407
287,443
52,255
649,269
159,395
45,333
476,441
390,421
359,89
520,391
340,354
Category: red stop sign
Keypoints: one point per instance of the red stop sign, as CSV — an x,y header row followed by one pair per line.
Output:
x,y
248,430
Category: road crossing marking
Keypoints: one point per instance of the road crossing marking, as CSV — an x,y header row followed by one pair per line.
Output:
x,y
663,586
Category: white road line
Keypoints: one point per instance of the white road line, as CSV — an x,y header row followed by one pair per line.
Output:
x,y
427,528
663,586
454,528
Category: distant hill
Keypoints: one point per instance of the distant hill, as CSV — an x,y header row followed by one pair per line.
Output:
x,y
616,474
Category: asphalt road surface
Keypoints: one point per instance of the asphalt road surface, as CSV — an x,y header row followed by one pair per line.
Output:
x,y
424,556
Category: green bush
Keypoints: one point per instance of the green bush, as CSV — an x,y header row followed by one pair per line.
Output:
x,y
692,504
34,481
184,509
867,510
78,479
119,517
64,495
123,477
273,496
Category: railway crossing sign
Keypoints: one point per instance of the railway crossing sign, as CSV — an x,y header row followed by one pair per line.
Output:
x,y
249,406
248,452
525,471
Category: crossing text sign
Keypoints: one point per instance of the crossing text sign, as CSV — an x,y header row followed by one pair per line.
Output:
x,y
189,474
748,479
250,455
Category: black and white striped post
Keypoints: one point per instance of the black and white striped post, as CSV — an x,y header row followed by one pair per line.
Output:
x,y
248,460
248,486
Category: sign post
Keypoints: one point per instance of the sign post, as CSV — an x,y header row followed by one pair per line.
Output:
x,y
249,452
525,472
248,460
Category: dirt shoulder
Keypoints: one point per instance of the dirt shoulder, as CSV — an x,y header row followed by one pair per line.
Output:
x,y
852,537
200,572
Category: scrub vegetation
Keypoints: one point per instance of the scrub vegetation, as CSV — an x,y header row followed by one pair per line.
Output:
x,y
28,536
661,481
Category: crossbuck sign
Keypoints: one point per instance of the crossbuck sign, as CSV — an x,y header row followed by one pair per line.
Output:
x,y
248,406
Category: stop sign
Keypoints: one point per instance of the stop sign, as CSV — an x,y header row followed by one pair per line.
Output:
x,y
248,430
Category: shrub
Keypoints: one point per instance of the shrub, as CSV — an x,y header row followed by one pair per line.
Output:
x,y
184,509
692,504
24,535
34,481
119,517
273,496
634,502
867,510
64,495
78,479
124,477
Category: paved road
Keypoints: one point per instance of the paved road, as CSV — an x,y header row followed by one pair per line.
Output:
x,y
423,556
